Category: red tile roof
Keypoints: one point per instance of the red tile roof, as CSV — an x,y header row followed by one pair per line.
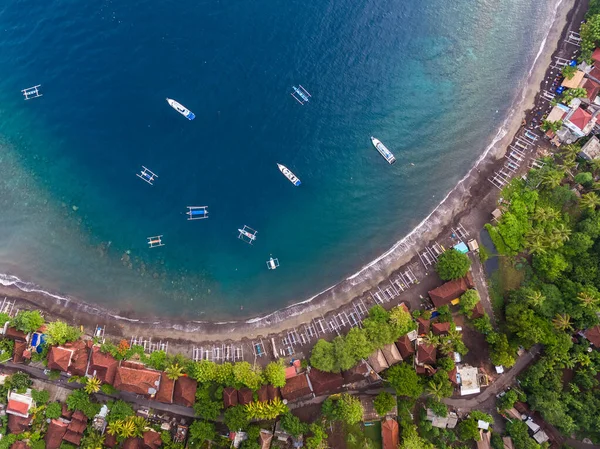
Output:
x,y
323,382
441,328
452,376
451,290
477,311
77,426
79,416
592,89
593,335
390,433
245,396
73,437
139,381
18,350
109,441
19,445
290,371
263,394
405,346
19,407
14,334
81,353
356,374
185,391
165,392
426,354
297,387
66,413
230,397
273,392
423,326
59,358
596,55
132,443
103,366
152,440
18,424
580,118
55,433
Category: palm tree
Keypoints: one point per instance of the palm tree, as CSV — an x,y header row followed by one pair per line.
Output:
x,y
587,299
174,372
431,339
446,346
93,440
552,179
536,298
127,429
92,385
562,322
589,201
537,247
436,389
595,163
560,234
139,423
536,233
114,428
570,151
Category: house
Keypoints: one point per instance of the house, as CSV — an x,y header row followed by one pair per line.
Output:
x,y
20,404
13,334
245,396
596,55
290,372
262,394
469,382
230,397
377,361
297,387
132,443
540,436
323,382
591,149
18,424
533,426
71,357
484,440
405,347
75,429
165,391
110,441
273,392
103,366
391,354
369,412
361,372
151,440
185,391
579,121
266,437
56,431
440,328
19,445
423,326
18,351
135,378
508,443
59,358
593,335
477,311
575,81
449,421
452,376
390,433
451,290
99,422
426,354
592,88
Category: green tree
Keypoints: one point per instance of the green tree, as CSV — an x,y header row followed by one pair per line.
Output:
x,y
158,360
292,424
92,440
79,400
570,94
59,333
508,400
384,403
412,440
92,385
53,410
468,301
502,354
236,418
40,396
344,407
245,374
318,437
468,430
322,356
343,358
274,374
452,264
201,431
403,378
204,371
589,201
174,371
401,320
27,321
357,344
568,71
119,410
440,386
20,381
553,126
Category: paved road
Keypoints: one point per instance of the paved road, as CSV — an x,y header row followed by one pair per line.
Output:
x,y
38,373
464,405
480,280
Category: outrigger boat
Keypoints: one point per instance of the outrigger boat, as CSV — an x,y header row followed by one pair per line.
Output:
x,y
272,264
302,93
181,109
147,175
155,241
387,154
197,212
289,175
32,92
247,234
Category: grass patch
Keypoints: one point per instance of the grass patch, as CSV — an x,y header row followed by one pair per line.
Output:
x,y
509,276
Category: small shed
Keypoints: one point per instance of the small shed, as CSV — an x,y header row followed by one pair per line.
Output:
x,y
461,248
575,81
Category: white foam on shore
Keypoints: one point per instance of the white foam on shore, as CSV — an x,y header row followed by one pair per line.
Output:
x,y
405,244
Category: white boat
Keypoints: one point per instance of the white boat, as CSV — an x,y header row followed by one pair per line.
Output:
x,y
272,264
181,109
289,175
387,154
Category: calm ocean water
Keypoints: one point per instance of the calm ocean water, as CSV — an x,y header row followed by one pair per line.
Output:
x,y
432,79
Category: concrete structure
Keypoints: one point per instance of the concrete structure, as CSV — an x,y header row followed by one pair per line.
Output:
x,y
591,149
469,383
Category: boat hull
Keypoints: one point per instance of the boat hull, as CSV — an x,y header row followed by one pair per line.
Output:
x,y
289,175
181,109
382,149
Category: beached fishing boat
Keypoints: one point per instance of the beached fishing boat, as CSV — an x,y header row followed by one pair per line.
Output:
x,y
181,109
387,154
289,175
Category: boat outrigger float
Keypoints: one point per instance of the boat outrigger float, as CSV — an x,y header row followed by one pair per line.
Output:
x,y
387,154
181,109
302,93
197,212
289,175
155,241
272,264
247,234
147,175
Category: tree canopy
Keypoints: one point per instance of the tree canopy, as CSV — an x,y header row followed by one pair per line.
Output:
x,y
452,264
404,379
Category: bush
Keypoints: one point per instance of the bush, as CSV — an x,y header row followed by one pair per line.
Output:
x,y
27,321
53,410
439,408
292,424
236,418
468,301
452,264
108,389
40,396
20,381
59,333
584,178
384,403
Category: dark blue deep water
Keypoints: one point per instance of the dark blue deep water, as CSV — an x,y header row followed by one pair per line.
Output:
x,y
433,79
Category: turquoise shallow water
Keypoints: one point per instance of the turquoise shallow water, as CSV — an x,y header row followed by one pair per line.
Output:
x,y
432,79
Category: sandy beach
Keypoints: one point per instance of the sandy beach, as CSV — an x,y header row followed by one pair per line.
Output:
x,y
470,203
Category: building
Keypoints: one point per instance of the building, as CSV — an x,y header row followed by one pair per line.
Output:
x,y
451,290
230,397
18,424
19,351
71,358
575,81
469,382
151,440
579,121
484,440
477,311
405,347
297,387
103,366
56,432
426,354
75,429
165,391
20,404
440,328
359,373
449,421
323,382
508,443
591,149
423,326
390,433
540,436
391,354
135,378
185,391
593,335
266,437
377,361
245,396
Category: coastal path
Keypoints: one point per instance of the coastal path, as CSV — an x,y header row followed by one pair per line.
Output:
x,y
480,279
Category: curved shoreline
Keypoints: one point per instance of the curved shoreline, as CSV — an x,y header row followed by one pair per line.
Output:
x,y
466,198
